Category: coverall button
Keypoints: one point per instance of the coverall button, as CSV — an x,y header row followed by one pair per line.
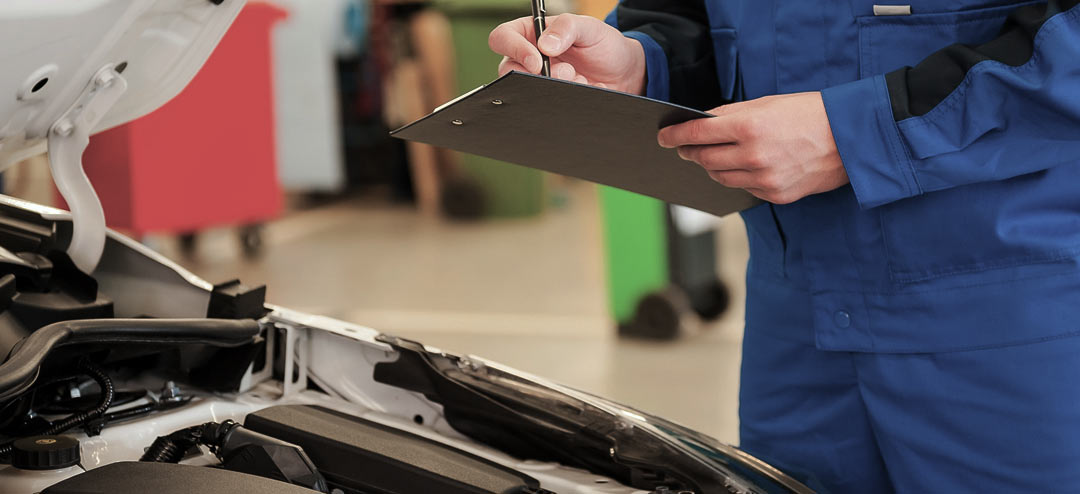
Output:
x,y
842,319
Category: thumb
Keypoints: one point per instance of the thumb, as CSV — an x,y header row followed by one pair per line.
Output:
x,y
566,30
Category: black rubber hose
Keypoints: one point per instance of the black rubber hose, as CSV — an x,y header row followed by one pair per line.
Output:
x,y
20,370
108,392
171,448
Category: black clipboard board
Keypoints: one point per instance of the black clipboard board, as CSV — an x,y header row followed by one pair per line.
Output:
x,y
582,131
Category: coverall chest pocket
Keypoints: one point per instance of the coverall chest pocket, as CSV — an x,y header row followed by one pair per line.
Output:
x,y
964,229
890,42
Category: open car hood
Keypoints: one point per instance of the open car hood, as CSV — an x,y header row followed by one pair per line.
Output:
x,y
51,50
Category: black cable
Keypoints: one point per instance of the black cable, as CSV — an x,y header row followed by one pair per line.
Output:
x,y
107,393
95,426
69,406
131,412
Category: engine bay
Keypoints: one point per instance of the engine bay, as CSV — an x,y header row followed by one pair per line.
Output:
x,y
145,378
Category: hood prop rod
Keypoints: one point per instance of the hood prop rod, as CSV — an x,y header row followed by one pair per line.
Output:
x,y
68,138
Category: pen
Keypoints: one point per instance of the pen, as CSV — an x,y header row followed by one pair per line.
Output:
x,y
540,23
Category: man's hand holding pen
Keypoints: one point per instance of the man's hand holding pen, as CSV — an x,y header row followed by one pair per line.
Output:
x,y
582,49
779,148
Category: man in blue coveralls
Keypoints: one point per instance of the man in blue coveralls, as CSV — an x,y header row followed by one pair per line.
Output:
x,y
913,318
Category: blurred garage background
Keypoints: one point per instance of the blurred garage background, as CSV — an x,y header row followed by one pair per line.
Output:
x,y
275,167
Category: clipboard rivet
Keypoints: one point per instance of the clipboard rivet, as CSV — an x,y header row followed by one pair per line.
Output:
x,y
457,122
496,101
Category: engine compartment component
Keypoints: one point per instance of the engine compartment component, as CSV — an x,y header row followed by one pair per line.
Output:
x,y
58,335
518,415
359,456
145,349
45,453
166,478
107,393
515,416
22,368
240,450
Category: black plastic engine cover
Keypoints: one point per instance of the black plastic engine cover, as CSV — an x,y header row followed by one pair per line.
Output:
x,y
168,478
361,456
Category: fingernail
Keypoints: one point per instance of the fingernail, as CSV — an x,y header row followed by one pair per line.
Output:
x,y
566,72
550,42
532,63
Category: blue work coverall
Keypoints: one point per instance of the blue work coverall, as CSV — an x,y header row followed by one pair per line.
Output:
x,y
919,329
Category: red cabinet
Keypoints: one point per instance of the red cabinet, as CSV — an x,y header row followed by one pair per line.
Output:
x,y
207,157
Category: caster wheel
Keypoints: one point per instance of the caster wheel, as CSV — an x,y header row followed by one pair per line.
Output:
x,y
251,241
463,199
661,315
188,243
711,301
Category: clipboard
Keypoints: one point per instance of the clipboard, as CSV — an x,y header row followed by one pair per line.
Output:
x,y
581,131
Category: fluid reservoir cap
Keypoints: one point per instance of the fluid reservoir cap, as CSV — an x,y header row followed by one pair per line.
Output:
x,y
45,453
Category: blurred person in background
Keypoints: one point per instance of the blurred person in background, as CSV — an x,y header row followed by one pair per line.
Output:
x,y
421,78
912,315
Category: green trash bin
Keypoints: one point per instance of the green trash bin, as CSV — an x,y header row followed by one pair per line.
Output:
x,y
658,275
636,249
509,190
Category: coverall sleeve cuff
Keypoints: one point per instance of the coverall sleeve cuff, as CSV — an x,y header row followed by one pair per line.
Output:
x,y
659,86
875,157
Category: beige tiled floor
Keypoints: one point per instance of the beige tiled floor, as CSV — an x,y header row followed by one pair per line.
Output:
x,y
529,293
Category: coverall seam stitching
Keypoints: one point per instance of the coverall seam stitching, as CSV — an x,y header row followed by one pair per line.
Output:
x,y
889,141
1049,27
858,272
1010,262
824,45
935,18
775,44
869,417
1032,341
846,159
819,292
1072,333
930,25
955,98
864,53
885,239
893,141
